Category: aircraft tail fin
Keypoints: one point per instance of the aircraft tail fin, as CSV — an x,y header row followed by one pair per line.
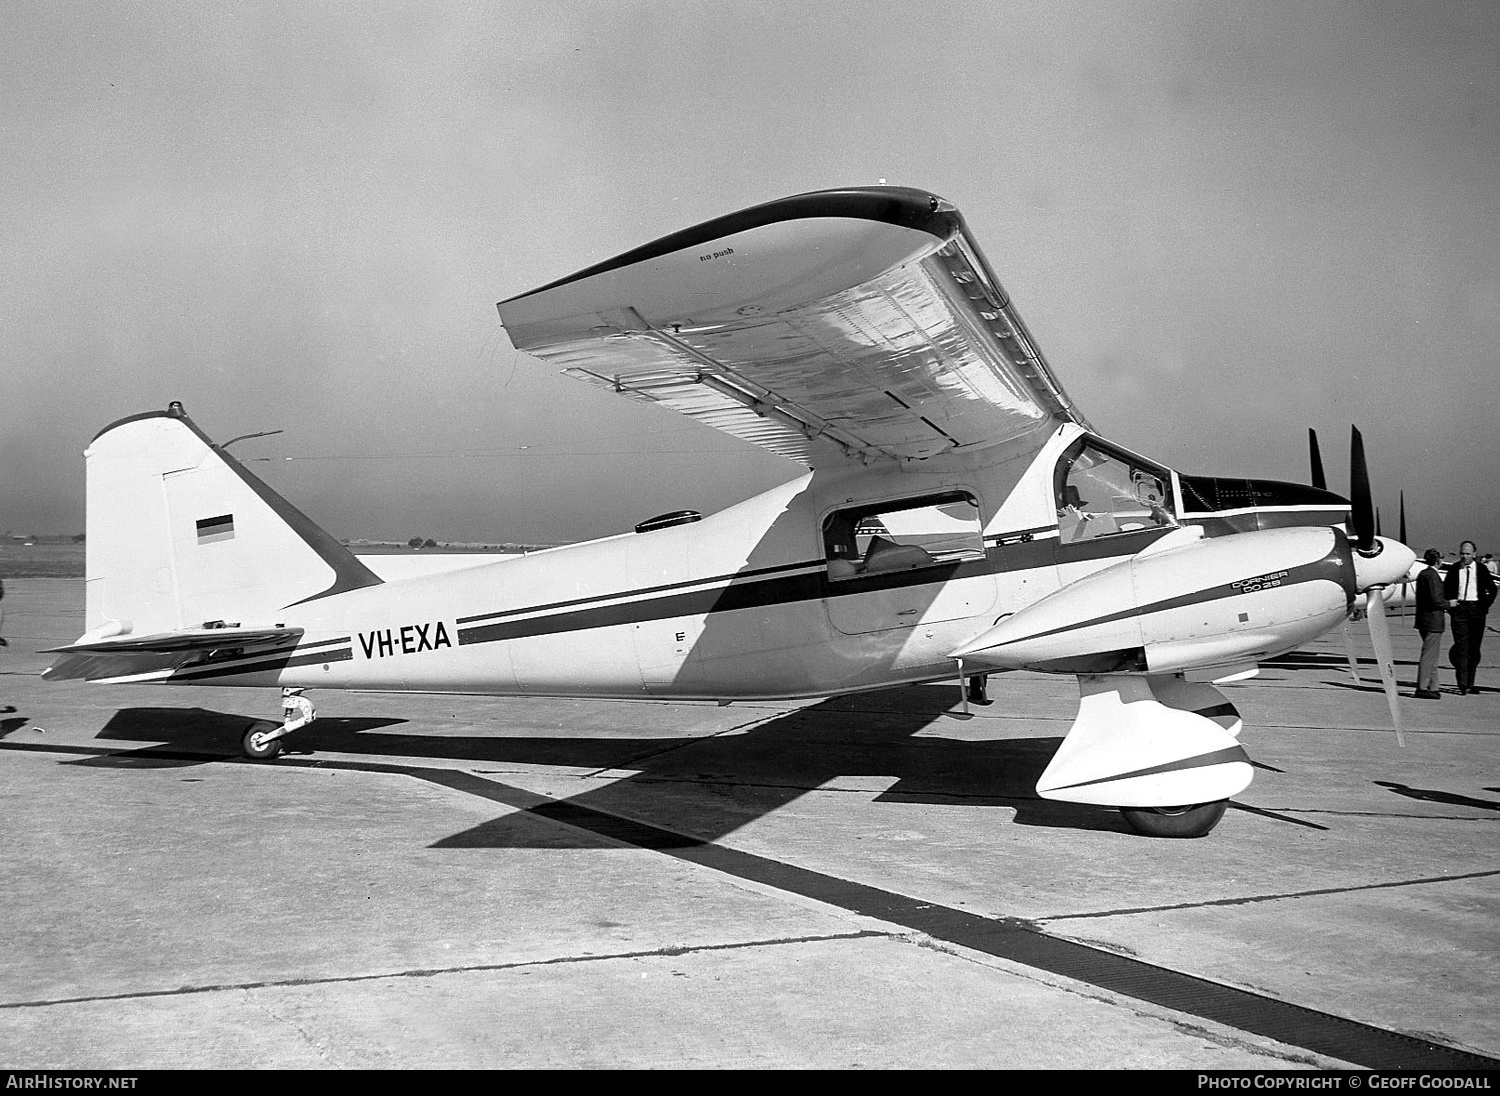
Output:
x,y
179,535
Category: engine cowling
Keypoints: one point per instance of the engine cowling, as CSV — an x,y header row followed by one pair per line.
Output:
x,y
1218,602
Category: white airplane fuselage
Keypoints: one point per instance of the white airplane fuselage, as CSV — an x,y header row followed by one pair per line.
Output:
x,y
738,605
735,606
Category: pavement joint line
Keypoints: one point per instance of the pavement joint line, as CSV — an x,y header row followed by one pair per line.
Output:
x,y
1011,938
660,751
1219,1034
1014,939
1254,898
1400,814
918,797
665,952
1277,816
192,755
671,747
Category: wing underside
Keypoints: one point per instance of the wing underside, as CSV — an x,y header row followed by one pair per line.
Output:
x,y
163,654
858,324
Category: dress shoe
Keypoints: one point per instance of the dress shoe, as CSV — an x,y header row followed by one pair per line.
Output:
x,y
1427,694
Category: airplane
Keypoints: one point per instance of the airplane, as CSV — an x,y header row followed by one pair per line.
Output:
x,y
1401,595
955,517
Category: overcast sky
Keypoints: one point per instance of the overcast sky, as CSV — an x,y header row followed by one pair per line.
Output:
x,y
1223,222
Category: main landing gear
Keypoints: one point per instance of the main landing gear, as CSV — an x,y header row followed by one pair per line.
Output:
x,y
1194,821
296,711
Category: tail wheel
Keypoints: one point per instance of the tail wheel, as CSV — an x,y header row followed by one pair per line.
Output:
x,y
1194,821
257,747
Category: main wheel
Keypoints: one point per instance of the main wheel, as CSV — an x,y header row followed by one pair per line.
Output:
x,y
1194,821
255,745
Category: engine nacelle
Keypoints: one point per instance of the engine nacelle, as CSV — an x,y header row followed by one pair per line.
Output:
x,y
1223,601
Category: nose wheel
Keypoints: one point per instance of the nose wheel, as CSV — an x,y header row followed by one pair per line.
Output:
x,y
1192,821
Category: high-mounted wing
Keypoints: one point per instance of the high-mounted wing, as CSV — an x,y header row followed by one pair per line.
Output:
x,y
859,323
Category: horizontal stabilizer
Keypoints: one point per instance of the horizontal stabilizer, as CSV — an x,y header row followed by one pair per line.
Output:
x,y
163,653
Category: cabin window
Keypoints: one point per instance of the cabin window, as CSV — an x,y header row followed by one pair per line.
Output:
x,y
1101,493
902,535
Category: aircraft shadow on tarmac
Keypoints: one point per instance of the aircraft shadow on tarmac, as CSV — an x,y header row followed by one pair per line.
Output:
x,y
1317,660
706,786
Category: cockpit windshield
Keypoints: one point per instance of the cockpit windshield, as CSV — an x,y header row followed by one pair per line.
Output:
x,y
1101,493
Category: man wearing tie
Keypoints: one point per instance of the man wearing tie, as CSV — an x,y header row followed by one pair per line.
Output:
x,y
1469,590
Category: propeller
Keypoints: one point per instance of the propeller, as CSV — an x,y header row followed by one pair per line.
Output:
x,y
1401,608
1380,639
1378,563
1348,633
1316,460
1362,507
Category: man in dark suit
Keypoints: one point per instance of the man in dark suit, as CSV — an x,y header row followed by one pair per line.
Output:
x,y
1469,590
1430,623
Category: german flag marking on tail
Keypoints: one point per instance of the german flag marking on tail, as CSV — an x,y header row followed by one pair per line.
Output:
x,y
215,529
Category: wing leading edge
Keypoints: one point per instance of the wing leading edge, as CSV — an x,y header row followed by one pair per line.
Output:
x,y
840,324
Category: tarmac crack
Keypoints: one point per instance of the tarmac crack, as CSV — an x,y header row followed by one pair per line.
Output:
x,y
263,1006
1252,899
434,972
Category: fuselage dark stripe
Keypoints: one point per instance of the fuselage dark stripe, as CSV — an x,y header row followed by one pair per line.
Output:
x,y
810,586
701,602
1327,569
1021,556
283,661
644,590
236,663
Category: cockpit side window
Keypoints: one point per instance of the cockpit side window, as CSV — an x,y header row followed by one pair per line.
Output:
x,y
928,531
1102,493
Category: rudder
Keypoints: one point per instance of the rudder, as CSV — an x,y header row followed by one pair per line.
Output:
x,y
179,533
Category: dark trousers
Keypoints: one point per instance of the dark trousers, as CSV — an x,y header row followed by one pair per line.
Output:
x,y
1468,636
1427,669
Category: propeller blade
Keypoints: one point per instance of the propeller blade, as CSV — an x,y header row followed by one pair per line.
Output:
x,y
1348,633
1316,460
1378,533
1405,586
1380,638
1362,508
